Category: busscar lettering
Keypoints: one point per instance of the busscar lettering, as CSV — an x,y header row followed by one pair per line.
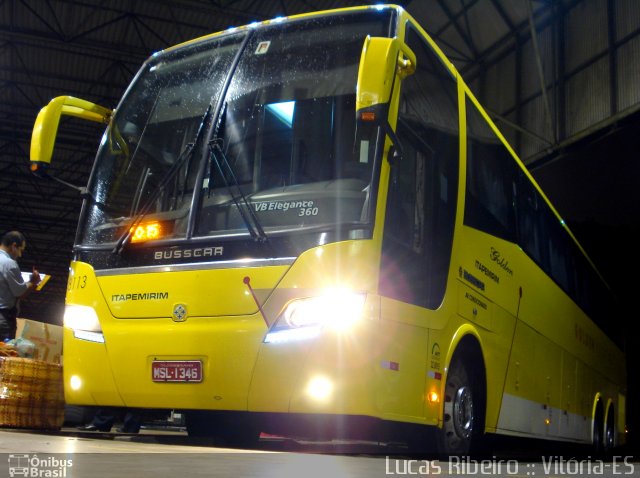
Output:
x,y
139,296
196,253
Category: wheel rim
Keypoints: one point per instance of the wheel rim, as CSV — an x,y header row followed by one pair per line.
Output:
x,y
463,412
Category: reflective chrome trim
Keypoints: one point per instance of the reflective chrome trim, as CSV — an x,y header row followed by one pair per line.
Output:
x,y
89,336
198,266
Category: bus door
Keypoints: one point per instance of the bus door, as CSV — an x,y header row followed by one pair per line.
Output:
x,y
420,218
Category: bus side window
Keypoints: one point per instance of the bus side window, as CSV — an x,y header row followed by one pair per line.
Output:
x,y
491,176
561,265
423,189
402,217
532,228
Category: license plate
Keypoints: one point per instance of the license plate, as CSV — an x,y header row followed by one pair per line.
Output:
x,y
176,371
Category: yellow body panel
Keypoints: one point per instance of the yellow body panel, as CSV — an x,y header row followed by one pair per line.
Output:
x,y
144,331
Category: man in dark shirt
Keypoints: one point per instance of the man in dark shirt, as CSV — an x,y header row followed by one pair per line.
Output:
x,y
12,286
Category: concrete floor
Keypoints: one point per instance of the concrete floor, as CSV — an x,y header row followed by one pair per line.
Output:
x,y
151,454
157,453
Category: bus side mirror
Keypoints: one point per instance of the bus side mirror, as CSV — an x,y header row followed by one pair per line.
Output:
x,y
46,126
381,60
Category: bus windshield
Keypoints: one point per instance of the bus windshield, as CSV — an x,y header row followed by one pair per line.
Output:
x,y
254,128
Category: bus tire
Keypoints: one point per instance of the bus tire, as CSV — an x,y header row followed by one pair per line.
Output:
x,y
598,430
463,411
609,437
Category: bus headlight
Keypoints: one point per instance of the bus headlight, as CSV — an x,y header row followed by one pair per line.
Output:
x,y
304,318
84,322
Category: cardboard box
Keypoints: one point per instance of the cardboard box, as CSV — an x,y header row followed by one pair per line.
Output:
x,y
46,337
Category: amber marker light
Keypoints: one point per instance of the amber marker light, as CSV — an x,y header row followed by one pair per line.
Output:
x,y
368,116
146,232
433,397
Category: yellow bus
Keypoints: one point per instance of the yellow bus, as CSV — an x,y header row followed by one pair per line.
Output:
x,y
310,226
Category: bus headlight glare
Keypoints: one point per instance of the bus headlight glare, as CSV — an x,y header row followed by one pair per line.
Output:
x,y
304,318
338,310
320,388
81,317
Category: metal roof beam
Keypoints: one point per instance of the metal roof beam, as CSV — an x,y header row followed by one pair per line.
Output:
x,y
466,36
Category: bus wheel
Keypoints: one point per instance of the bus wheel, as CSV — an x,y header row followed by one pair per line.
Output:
x,y
461,412
598,438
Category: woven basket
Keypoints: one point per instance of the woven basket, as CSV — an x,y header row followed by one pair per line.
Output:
x,y
31,394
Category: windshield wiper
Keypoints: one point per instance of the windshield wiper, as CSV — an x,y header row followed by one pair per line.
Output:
x,y
250,220
175,167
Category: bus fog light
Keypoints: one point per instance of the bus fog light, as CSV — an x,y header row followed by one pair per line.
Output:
x,y
75,382
320,388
